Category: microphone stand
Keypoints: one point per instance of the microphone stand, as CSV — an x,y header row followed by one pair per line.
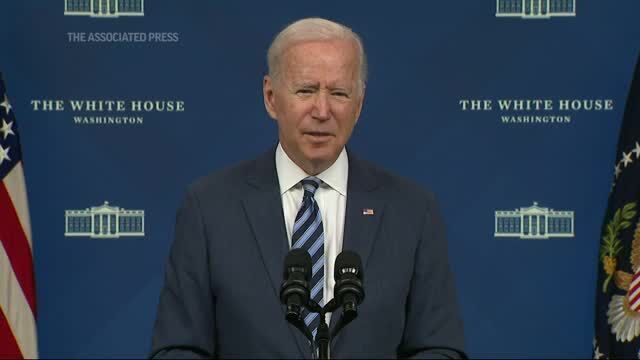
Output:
x,y
323,337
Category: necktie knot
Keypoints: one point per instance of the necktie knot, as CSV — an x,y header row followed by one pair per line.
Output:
x,y
310,184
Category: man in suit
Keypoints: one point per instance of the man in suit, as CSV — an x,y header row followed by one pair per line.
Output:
x,y
223,277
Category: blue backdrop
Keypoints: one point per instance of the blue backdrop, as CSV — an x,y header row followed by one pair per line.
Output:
x,y
98,297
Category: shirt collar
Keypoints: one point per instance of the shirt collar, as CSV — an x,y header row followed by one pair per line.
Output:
x,y
290,174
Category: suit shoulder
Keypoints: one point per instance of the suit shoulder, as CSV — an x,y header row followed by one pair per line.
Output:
x,y
229,180
400,186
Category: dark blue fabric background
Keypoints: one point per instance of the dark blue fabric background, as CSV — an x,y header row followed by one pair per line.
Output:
x,y
518,298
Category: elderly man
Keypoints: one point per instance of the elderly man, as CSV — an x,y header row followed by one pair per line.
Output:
x,y
221,297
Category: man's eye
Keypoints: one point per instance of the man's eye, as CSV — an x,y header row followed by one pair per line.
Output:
x,y
304,91
341,94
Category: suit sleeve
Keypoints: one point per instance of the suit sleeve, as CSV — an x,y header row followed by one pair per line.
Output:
x,y
433,328
185,323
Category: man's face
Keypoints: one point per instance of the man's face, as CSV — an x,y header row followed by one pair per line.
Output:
x,y
316,101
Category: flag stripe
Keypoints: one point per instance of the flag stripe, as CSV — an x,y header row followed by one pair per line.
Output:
x,y
634,296
14,182
8,346
635,284
16,309
17,248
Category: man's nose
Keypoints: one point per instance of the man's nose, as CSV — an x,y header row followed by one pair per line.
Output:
x,y
321,108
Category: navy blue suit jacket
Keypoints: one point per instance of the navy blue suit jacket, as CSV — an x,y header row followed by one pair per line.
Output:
x,y
223,276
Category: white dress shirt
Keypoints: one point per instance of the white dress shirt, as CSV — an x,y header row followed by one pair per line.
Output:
x,y
331,197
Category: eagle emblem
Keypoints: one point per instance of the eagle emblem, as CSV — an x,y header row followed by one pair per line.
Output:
x,y
624,310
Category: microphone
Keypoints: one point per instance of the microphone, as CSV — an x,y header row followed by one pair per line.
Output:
x,y
294,292
348,289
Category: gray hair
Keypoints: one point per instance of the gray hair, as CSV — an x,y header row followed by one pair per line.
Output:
x,y
313,29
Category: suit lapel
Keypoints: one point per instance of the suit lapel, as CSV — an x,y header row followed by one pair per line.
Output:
x,y
265,216
363,215
264,211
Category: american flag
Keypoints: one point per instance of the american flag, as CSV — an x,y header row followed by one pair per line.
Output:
x,y
17,284
617,318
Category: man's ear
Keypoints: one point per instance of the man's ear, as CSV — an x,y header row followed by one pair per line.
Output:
x,y
361,102
269,96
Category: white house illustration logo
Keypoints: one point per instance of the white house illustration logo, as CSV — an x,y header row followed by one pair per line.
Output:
x,y
104,221
534,222
535,9
104,8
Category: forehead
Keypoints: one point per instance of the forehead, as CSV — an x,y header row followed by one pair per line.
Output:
x,y
337,59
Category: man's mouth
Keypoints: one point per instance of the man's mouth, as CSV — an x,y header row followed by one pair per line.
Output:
x,y
317,133
318,136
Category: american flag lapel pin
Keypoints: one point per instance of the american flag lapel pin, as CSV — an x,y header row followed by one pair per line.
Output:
x,y
367,211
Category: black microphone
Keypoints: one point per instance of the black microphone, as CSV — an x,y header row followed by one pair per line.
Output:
x,y
294,292
348,289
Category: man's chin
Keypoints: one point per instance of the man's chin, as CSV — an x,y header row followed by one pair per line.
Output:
x,y
323,157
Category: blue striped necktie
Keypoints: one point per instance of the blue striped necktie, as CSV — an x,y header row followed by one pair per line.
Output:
x,y
308,234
